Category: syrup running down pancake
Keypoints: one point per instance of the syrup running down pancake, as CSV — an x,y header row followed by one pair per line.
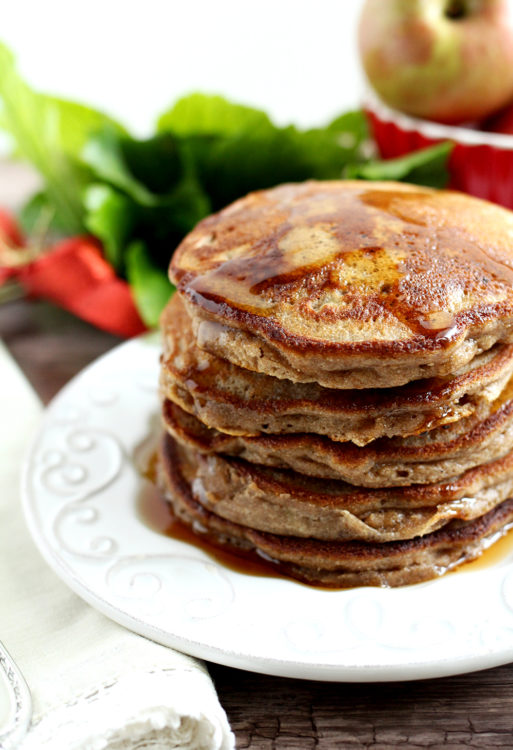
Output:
x,y
350,284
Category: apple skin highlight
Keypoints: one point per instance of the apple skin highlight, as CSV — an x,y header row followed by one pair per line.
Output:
x,y
445,60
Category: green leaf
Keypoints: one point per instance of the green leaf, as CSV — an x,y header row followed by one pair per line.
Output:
x,y
199,114
150,286
163,226
186,205
40,215
156,162
427,166
111,216
233,149
103,153
127,209
50,133
353,123
230,167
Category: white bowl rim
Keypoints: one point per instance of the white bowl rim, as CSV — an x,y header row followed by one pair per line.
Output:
x,y
437,130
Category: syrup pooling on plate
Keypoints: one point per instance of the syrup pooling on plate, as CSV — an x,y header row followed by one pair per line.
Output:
x,y
156,513
413,264
499,551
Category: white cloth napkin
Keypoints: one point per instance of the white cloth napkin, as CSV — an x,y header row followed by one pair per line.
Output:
x,y
94,684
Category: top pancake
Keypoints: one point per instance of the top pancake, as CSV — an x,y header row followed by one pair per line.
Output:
x,y
350,284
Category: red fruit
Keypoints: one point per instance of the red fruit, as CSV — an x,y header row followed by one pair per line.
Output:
x,y
10,232
444,60
75,275
5,274
11,239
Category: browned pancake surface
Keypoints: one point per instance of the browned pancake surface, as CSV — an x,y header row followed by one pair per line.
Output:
x,y
350,284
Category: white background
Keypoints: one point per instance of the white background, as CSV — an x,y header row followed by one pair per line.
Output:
x,y
295,59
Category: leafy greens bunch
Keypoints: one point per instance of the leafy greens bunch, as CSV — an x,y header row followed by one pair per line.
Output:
x,y
140,197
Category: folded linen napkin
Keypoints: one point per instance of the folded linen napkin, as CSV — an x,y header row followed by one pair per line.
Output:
x,y
94,684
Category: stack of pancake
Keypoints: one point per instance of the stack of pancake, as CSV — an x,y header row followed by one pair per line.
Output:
x,y
337,380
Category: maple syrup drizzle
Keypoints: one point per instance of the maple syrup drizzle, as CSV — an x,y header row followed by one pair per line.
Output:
x,y
156,513
332,248
498,552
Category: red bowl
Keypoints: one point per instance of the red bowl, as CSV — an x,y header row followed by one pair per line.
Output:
x,y
481,163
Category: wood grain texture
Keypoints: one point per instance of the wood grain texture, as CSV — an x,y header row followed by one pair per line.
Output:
x,y
50,344
467,711
269,712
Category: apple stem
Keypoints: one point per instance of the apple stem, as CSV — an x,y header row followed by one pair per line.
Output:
x,y
455,9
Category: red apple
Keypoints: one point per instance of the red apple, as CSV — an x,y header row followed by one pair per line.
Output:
x,y
444,60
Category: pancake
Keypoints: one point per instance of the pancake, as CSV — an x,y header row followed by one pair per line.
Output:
x,y
240,402
350,284
329,563
291,504
435,456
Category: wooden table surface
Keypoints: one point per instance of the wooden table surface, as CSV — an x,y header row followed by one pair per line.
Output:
x,y
269,712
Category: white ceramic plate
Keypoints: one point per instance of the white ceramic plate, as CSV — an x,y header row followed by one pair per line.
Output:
x,y
80,495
